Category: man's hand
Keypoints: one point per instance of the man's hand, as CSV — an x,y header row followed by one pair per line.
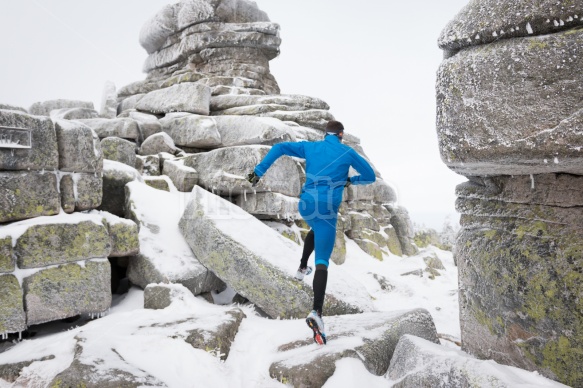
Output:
x,y
253,178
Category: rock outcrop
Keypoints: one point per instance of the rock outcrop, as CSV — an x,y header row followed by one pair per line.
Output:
x,y
509,118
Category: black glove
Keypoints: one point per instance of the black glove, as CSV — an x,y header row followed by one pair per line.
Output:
x,y
348,182
253,178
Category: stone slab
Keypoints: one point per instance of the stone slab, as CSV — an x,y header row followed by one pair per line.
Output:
x,y
67,290
40,149
124,127
186,97
79,147
28,195
220,235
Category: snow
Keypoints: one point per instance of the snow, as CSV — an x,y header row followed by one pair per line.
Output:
x,y
529,28
159,234
151,342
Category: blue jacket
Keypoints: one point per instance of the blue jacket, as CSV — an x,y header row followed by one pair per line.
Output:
x,y
327,164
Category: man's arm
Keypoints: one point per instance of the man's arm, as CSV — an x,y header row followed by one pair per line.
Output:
x,y
366,172
280,149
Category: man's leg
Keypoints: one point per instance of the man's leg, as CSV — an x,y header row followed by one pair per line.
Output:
x,y
325,236
308,249
319,285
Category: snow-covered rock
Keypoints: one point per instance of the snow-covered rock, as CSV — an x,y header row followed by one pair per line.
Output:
x,y
164,254
79,147
73,114
270,205
34,147
313,118
44,108
417,362
292,101
191,130
487,21
183,177
125,128
67,290
370,337
226,239
115,177
187,97
225,170
156,143
109,101
513,109
247,130
147,124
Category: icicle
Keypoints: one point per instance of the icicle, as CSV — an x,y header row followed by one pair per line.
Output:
x,y
20,336
531,181
245,195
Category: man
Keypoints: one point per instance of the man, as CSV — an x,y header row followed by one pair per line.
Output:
x,y
327,165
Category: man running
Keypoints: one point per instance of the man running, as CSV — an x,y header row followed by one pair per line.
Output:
x,y
327,165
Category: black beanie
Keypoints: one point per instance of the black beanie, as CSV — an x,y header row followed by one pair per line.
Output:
x,y
334,126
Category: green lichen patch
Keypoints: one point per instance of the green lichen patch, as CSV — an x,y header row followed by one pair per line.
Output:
x,y
47,244
371,248
12,317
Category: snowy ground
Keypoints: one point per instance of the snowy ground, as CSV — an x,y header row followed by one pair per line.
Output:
x,y
255,348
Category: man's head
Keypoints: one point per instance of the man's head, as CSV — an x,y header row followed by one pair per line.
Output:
x,y
335,128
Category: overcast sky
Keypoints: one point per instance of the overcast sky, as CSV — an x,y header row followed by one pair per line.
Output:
x,y
373,61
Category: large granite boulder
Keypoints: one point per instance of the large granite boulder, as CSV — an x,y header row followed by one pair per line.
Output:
x,y
370,337
224,171
119,150
73,114
247,130
417,362
513,108
156,143
79,147
67,290
46,107
224,238
58,240
187,97
28,195
290,101
115,176
123,234
164,254
124,127
191,130
269,205
177,17
148,124
183,177
487,21
27,142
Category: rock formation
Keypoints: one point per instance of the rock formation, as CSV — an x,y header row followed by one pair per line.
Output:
x,y
509,118
207,112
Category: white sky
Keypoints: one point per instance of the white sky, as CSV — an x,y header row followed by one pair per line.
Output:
x,y
373,61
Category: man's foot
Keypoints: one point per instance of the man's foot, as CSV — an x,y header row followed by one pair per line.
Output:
x,y
315,322
303,272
